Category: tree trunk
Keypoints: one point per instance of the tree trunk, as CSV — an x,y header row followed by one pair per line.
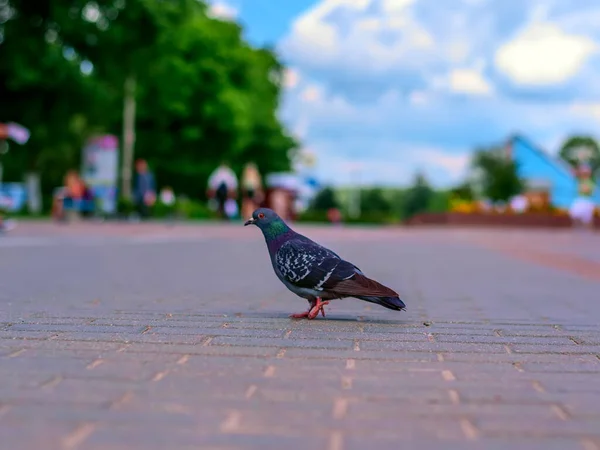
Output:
x,y
128,136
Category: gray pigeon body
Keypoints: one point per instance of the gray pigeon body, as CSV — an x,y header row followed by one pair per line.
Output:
x,y
314,272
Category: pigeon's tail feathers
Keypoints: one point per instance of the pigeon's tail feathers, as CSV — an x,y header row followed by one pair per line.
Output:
x,y
388,302
369,290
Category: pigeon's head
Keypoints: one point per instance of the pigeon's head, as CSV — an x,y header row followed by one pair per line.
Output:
x,y
264,218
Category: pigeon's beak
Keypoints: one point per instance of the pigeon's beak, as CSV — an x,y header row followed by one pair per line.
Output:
x,y
250,221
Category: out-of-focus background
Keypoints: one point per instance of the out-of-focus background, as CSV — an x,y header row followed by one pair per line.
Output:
x,y
373,111
132,131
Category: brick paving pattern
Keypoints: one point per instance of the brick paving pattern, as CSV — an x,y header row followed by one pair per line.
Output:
x,y
141,336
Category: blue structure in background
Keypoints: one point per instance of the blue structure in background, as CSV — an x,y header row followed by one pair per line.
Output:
x,y
539,169
14,194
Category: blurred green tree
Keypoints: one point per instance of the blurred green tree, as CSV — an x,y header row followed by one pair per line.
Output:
x,y
325,200
463,191
202,94
418,197
572,146
374,201
499,175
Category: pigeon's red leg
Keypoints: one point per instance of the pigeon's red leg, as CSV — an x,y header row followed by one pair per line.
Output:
x,y
316,307
304,314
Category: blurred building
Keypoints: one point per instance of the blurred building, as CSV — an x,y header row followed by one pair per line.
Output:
x,y
549,179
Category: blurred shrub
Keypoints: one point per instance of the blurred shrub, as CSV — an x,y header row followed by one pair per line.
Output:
x,y
373,217
125,206
312,215
190,209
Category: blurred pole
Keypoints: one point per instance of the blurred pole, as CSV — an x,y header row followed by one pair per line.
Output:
x,y
128,135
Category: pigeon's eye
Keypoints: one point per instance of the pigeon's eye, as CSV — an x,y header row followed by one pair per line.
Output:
x,y
261,216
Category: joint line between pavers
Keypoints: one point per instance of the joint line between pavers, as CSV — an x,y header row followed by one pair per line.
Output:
x,y
560,412
336,441
454,396
94,364
160,375
518,366
17,353
126,397
538,386
184,359
250,391
52,382
78,436
447,375
231,424
340,408
468,428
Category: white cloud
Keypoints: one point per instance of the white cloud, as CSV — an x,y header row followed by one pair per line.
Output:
x,y
396,86
544,54
586,110
469,81
222,10
341,33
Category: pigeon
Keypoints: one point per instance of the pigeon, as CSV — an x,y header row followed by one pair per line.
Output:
x,y
314,272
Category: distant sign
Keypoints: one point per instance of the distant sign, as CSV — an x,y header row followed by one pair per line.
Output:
x,y
100,162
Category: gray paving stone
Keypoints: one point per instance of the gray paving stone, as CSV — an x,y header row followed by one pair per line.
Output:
x,y
494,351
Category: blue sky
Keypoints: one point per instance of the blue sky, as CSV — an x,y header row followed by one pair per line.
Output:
x,y
378,89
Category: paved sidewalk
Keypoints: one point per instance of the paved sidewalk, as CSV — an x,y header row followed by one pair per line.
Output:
x,y
182,341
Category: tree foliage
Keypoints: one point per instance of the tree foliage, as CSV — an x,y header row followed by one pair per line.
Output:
x,y
325,200
500,178
203,94
375,201
569,149
418,197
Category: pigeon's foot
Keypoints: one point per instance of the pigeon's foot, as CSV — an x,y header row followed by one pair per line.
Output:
x,y
316,307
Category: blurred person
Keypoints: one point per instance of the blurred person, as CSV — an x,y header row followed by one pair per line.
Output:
x,y
144,191
231,209
5,223
252,190
582,211
222,185
70,198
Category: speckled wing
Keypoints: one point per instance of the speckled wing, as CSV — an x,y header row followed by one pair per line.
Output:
x,y
306,264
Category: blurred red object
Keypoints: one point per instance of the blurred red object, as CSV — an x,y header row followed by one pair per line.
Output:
x,y
334,215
